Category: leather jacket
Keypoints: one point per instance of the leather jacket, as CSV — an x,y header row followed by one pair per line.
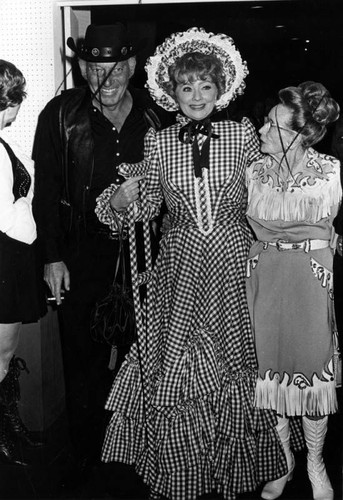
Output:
x,y
64,157
77,146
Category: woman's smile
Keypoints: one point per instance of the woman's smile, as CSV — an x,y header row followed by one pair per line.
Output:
x,y
196,99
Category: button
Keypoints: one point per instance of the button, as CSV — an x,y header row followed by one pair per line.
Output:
x,y
117,181
113,128
117,154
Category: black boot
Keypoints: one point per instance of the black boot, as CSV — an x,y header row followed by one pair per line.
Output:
x,y
12,389
7,446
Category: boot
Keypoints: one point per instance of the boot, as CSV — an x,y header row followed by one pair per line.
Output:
x,y
315,431
273,489
12,389
6,441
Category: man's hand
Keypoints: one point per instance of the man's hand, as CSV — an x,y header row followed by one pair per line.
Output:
x,y
126,194
339,245
56,275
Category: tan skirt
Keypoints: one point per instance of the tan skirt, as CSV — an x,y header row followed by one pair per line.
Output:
x,y
290,298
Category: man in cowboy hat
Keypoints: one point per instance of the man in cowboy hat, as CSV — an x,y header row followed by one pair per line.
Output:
x,y
83,135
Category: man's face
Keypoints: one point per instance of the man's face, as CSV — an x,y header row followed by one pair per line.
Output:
x,y
109,81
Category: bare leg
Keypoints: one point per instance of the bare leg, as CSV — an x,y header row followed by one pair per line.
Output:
x,y
9,338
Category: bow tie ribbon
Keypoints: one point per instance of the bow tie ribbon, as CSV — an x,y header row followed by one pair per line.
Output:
x,y
188,135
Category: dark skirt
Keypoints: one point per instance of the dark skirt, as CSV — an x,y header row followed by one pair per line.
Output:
x,y
19,297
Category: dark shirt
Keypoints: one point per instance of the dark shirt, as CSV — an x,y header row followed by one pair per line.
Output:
x,y
110,149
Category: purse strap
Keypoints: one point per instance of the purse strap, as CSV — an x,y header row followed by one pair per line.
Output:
x,y
120,256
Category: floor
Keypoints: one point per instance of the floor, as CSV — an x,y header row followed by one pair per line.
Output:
x,y
50,472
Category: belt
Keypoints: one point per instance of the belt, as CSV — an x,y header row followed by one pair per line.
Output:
x,y
306,245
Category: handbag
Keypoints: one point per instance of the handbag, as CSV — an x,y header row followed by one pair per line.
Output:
x,y
113,317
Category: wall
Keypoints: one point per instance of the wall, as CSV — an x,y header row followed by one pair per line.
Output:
x,y
31,38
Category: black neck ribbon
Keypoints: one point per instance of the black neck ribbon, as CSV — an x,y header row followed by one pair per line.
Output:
x,y
188,135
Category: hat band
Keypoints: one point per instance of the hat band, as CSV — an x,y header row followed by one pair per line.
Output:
x,y
106,52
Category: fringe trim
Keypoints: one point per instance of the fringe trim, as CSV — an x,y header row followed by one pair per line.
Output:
x,y
297,396
306,203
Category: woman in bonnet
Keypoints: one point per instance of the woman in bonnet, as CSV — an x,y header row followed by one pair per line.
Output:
x,y
294,193
192,427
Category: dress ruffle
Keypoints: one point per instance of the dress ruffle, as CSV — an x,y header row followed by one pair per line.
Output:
x,y
216,436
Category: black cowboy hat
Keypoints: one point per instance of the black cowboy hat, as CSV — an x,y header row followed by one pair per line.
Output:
x,y
107,43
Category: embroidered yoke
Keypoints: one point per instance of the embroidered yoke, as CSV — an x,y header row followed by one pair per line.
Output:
x,y
290,291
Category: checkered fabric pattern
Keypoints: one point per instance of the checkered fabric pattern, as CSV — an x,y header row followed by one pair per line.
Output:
x,y
297,438
182,401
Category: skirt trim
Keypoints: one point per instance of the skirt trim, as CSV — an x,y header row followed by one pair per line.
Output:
x,y
297,395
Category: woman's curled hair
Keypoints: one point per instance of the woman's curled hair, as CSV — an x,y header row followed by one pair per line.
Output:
x,y
12,85
313,109
195,66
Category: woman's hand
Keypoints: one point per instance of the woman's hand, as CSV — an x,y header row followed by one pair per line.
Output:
x,y
339,245
127,193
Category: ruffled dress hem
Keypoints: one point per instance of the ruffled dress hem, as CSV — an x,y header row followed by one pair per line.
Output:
x,y
218,450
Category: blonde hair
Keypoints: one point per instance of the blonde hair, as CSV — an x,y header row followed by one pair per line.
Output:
x,y
195,66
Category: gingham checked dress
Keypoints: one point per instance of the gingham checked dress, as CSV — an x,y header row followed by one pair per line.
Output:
x,y
194,429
